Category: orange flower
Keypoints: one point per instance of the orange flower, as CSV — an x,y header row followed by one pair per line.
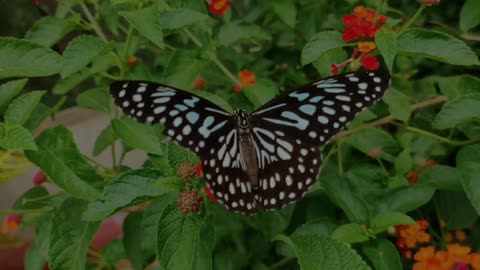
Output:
x,y
460,235
412,176
410,235
475,261
10,223
366,46
199,83
219,7
361,24
449,238
458,253
427,259
132,60
238,89
247,78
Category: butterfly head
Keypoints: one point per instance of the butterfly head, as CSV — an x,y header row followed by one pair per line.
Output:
x,y
241,118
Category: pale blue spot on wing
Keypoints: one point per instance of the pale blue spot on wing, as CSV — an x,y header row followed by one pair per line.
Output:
x,y
181,107
163,94
299,96
308,109
161,100
191,102
315,99
270,108
192,117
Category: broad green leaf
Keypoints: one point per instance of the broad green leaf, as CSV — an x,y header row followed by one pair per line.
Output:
x,y
150,219
105,139
49,30
31,199
320,44
59,158
23,58
370,138
403,162
260,93
132,240
382,254
206,243
114,251
37,254
441,177
324,63
405,199
147,22
457,111
437,46
178,155
231,33
137,135
222,103
383,221
178,237
180,17
386,41
15,137
467,162
455,87
469,15
38,115
11,89
320,253
271,223
67,84
20,108
350,233
70,236
130,188
398,104
286,10
97,99
182,69
455,209
80,52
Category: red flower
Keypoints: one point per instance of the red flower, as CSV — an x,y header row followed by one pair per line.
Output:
x,y
361,24
199,83
132,60
37,2
219,7
335,69
10,223
210,195
247,78
39,178
198,169
238,89
349,35
370,62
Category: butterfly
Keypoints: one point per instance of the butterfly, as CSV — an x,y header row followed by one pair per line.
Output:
x,y
259,161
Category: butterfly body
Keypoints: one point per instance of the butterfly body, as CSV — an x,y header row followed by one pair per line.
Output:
x,y
264,160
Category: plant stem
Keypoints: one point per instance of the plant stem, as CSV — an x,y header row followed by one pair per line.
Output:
x,y
193,38
27,200
127,43
407,25
378,11
93,22
224,69
339,159
27,211
438,137
389,119
383,167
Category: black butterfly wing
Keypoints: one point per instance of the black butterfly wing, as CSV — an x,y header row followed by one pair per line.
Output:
x,y
288,130
197,124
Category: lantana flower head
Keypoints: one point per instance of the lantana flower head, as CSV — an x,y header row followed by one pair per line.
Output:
x,y
219,7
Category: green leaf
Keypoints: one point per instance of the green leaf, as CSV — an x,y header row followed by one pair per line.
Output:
x,y
260,93
386,41
457,111
231,33
182,69
455,209
222,103
130,188
70,236
97,99
382,254
39,114
150,219
398,104
320,44
271,223
106,138
132,240
437,46
114,251
37,254
79,52
383,221
178,239
59,158
286,10
11,89
403,162
49,30
320,253
31,199
324,63
15,137
147,22
65,85
206,243
469,15
22,58
180,17
137,135
467,162
458,86
369,138
405,199
441,177
350,233
20,108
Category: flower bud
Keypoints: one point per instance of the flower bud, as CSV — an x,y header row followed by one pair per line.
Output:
x,y
189,202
